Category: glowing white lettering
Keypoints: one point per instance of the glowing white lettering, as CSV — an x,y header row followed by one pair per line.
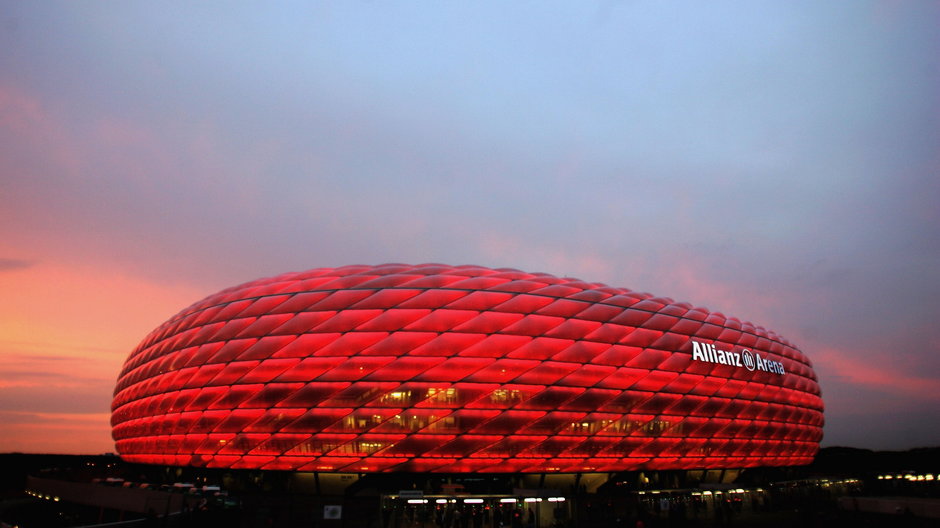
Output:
x,y
709,353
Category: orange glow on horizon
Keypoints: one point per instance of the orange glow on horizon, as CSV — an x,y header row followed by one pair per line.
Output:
x,y
64,333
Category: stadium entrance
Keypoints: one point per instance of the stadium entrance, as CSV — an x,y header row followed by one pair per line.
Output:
x,y
411,508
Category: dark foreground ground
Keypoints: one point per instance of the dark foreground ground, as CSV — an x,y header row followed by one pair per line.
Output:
x,y
264,509
790,519
38,514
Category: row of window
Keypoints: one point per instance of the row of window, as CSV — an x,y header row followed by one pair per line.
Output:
x,y
460,446
300,421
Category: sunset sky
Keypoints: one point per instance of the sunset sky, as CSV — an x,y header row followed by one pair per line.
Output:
x,y
778,162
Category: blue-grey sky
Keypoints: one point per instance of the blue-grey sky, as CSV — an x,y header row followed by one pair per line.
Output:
x,y
776,161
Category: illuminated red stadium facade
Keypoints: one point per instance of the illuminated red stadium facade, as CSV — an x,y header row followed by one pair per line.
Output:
x,y
434,368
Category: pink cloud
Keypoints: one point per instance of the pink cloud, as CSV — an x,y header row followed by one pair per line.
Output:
x,y
64,334
27,122
61,433
867,371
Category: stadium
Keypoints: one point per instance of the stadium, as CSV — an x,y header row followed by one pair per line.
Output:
x,y
432,369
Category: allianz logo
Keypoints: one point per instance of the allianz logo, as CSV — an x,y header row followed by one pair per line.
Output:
x,y
745,358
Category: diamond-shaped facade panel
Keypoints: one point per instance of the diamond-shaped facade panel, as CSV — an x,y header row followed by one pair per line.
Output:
x,y
453,369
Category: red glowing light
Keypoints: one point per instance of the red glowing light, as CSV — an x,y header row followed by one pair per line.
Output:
x,y
453,369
